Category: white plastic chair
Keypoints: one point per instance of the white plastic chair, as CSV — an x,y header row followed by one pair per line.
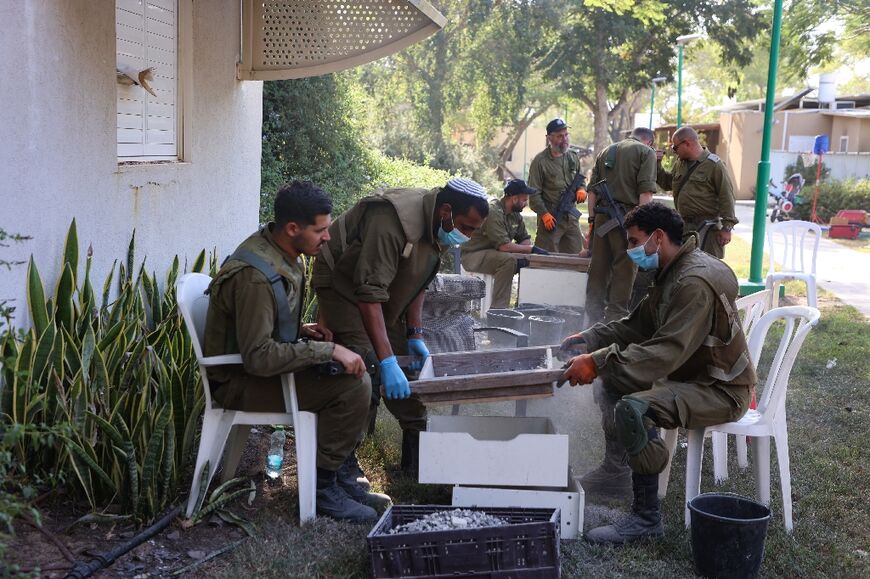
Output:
x,y
788,243
750,308
769,419
218,424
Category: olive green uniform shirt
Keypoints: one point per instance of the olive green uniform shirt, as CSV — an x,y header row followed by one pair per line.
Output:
x,y
551,176
499,228
242,318
633,171
682,330
707,194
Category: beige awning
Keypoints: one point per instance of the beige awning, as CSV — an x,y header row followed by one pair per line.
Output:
x,y
284,39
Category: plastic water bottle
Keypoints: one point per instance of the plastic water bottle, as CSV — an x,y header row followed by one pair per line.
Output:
x,y
276,453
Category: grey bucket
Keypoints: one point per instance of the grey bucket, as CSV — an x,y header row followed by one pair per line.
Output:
x,y
530,309
728,533
545,330
574,317
500,318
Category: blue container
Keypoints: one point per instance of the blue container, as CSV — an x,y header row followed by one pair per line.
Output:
x,y
821,145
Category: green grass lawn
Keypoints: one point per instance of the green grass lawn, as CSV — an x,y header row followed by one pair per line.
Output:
x,y
828,423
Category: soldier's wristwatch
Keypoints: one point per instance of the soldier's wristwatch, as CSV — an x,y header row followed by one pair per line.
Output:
x,y
414,331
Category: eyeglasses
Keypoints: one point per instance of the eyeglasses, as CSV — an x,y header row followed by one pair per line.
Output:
x,y
676,146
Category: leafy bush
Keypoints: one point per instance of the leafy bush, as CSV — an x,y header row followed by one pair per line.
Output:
x,y
834,196
115,381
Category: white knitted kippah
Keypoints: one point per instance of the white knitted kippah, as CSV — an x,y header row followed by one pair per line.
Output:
x,y
467,186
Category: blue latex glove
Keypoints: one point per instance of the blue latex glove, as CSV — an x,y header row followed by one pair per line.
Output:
x,y
394,380
417,348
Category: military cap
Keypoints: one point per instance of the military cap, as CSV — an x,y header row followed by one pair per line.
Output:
x,y
556,125
518,187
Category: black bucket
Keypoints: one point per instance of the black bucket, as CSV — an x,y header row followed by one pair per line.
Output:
x,y
728,533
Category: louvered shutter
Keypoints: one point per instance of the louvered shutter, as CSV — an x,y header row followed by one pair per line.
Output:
x,y
147,35
283,39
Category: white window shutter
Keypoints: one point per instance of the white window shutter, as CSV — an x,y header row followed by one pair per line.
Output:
x,y
284,39
147,36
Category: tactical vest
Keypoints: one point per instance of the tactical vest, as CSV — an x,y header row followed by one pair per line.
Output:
x,y
257,252
723,355
419,260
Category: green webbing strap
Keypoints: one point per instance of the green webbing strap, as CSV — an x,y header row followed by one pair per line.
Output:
x,y
610,159
288,322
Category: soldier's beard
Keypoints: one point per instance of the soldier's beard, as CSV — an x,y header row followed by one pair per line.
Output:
x,y
563,148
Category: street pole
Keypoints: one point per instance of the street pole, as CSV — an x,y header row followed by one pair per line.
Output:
x,y
652,104
680,85
755,281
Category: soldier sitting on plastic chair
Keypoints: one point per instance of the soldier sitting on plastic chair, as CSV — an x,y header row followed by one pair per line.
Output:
x,y
256,310
678,360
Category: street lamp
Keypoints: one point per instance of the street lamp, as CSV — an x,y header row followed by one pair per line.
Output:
x,y
652,98
681,42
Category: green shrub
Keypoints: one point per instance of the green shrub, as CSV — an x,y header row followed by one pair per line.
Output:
x,y
833,197
808,172
115,381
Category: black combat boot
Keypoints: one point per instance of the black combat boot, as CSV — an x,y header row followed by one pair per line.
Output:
x,y
410,452
348,478
644,521
334,502
613,475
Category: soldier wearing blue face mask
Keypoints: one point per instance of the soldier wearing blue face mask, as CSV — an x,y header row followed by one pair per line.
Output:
x,y
679,360
370,279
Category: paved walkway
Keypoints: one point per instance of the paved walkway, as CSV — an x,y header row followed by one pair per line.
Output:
x,y
840,270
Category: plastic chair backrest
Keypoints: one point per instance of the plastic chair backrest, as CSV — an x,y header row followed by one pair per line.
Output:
x,y
751,308
788,241
193,303
799,320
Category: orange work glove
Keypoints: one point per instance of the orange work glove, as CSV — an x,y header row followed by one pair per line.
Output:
x,y
582,370
581,194
549,221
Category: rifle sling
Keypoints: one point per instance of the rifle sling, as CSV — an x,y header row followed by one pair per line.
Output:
x,y
288,330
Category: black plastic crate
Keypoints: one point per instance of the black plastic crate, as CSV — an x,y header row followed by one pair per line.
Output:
x,y
526,548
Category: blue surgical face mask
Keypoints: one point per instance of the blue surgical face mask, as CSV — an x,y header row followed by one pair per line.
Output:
x,y
643,260
452,237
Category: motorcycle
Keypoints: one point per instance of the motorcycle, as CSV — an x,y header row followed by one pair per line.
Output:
x,y
785,197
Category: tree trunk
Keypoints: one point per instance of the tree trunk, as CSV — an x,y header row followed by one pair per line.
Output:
x,y
507,147
600,116
436,101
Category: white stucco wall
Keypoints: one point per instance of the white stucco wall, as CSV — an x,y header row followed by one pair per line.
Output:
x,y
58,152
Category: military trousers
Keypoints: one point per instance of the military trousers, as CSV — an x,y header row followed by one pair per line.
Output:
x,y
710,239
502,266
340,402
343,318
675,404
566,237
611,275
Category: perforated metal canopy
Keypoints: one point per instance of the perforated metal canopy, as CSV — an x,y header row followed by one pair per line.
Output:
x,y
284,39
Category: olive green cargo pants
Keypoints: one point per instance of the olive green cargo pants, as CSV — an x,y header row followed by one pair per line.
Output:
x,y
679,405
340,402
501,266
566,237
611,275
344,319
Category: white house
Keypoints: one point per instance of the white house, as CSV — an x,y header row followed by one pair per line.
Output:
x,y
181,166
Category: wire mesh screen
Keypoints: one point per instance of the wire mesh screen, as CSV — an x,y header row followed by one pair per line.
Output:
x,y
447,321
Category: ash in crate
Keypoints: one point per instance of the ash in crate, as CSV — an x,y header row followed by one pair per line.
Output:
x,y
527,546
450,520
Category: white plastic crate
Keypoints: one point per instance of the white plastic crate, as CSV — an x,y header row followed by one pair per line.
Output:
x,y
493,451
570,500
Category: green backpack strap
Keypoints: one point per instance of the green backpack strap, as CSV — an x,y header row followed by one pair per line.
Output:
x,y
288,322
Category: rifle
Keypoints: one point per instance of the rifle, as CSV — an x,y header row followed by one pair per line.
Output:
x,y
613,209
568,199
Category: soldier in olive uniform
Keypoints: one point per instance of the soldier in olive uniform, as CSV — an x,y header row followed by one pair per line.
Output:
x,y
503,233
551,172
250,316
630,170
703,193
371,276
679,360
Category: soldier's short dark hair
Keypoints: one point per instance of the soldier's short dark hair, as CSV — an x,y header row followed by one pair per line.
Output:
x,y
654,216
643,133
300,202
461,203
